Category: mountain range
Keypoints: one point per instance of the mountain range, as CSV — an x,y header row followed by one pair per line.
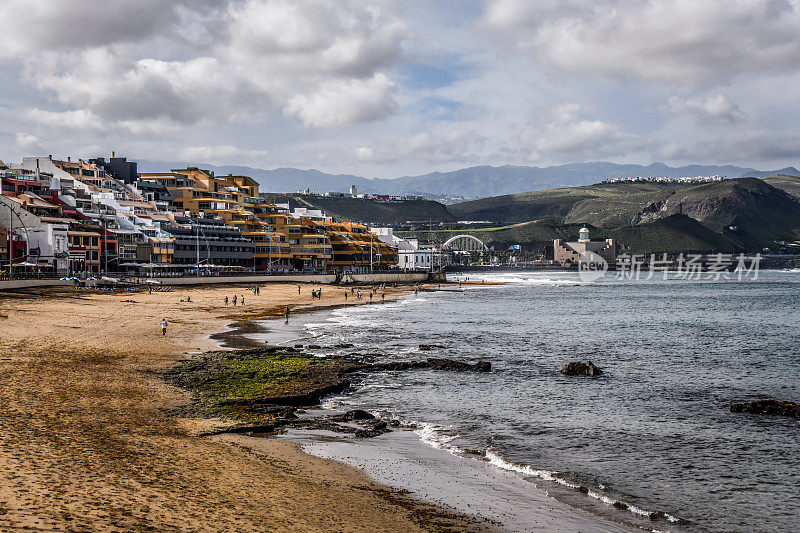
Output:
x,y
467,183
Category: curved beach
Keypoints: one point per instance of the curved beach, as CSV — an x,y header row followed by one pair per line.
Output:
x,y
86,445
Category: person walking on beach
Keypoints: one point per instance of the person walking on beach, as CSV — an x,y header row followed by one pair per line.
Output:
x,y
345,295
286,314
383,297
234,300
242,299
163,327
226,301
298,290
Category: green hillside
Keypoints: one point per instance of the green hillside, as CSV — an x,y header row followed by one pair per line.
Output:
x,y
674,234
747,210
728,215
554,203
368,211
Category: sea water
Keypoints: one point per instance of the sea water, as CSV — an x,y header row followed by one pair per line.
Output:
x,y
654,432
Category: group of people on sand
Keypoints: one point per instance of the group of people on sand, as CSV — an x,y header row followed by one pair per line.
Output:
x,y
315,294
235,300
360,295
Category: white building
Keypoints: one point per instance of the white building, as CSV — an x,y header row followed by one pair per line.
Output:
x,y
46,241
570,252
410,254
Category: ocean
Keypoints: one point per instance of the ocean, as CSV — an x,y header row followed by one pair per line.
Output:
x,y
654,433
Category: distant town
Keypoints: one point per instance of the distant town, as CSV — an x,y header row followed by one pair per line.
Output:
x,y
353,193
665,179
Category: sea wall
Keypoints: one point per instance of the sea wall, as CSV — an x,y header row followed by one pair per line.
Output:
x,y
28,283
322,279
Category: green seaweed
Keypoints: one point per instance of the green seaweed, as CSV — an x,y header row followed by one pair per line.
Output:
x,y
229,383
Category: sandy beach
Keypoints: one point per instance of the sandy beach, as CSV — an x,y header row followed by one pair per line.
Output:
x,y
86,446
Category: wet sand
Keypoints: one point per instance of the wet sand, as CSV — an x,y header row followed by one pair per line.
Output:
x,y
84,443
469,485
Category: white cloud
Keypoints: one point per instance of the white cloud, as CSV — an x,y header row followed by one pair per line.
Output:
x,y
748,147
344,101
31,26
219,155
262,56
566,131
714,109
430,148
27,142
681,40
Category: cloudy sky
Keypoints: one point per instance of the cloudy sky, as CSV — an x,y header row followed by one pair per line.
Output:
x,y
389,88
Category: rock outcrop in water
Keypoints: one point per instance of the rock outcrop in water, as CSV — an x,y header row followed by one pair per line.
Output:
x,y
579,368
768,407
260,389
432,363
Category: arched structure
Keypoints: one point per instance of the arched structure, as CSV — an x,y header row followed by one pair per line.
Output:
x,y
464,243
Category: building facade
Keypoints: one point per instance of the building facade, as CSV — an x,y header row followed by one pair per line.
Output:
x,y
568,253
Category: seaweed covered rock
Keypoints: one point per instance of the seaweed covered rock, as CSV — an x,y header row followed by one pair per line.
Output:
x,y
768,407
579,368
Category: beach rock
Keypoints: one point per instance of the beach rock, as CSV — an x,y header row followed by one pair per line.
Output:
x,y
768,407
313,347
656,515
584,489
428,347
298,346
343,345
579,368
356,414
448,364
620,505
433,363
482,366
308,396
379,427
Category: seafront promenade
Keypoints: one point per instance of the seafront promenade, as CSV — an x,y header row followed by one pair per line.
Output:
x,y
322,279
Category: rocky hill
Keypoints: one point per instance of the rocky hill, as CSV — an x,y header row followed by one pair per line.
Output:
x,y
790,184
745,214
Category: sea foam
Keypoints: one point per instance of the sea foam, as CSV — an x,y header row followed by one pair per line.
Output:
x,y
497,460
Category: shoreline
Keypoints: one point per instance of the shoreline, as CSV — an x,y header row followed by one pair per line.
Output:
x,y
87,444
403,460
